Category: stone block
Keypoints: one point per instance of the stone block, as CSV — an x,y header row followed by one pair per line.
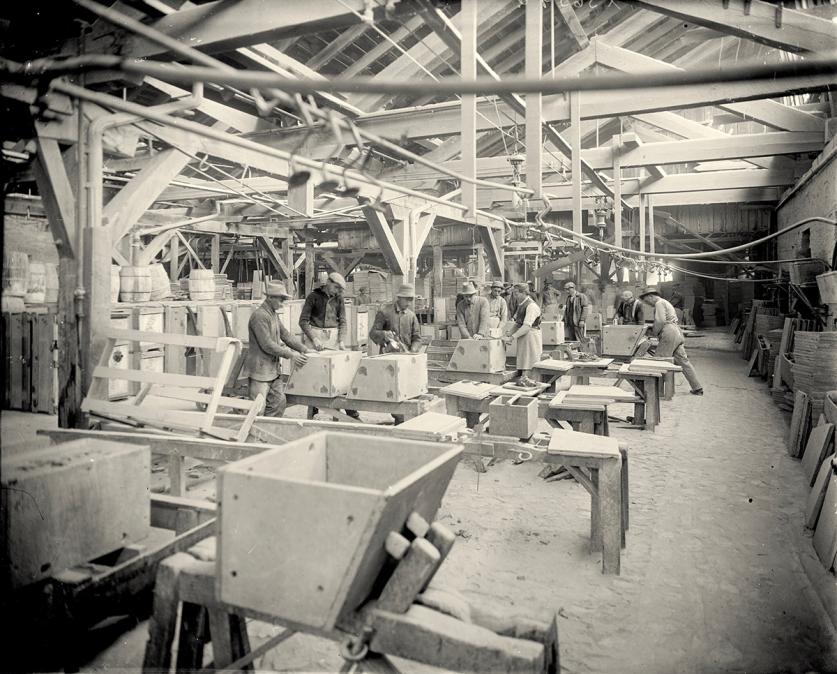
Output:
x,y
390,377
479,356
552,332
327,374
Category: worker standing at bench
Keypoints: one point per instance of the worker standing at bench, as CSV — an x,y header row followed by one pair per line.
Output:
x,y
269,342
576,312
472,313
672,342
527,334
396,328
324,309
498,310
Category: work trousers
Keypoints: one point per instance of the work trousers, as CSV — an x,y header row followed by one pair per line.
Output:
x,y
672,346
274,394
574,333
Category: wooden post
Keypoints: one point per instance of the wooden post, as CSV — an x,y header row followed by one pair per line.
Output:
x,y
287,252
479,250
616,148
310,267
575,142
534,70
468,66
652,246
642,202
174,258
438,262
215,253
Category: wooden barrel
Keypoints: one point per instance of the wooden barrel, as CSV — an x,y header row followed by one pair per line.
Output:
x,y
12,304
160,286
36,284
51,282
135,284
15,272
114,283
201,284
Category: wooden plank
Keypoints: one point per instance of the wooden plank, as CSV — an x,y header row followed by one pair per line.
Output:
x,y
16,365
800,418
148,377
816,496
825,535
26,361
56,194
816,449
218,344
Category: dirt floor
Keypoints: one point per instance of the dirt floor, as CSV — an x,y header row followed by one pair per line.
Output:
x,y
714,573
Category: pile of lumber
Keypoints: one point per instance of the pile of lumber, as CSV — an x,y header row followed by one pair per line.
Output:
x,y
815,366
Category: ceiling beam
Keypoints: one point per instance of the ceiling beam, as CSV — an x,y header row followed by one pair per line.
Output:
x,y
221,25
755,20
571,19
336,46
765,111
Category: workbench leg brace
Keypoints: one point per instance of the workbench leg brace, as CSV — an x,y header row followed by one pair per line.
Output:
x,y
408,619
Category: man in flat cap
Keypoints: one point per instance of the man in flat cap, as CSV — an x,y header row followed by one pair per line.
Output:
x,y
576,313
672,343
269,342
396,327
629,311
472,313
527,333
498,310
324,309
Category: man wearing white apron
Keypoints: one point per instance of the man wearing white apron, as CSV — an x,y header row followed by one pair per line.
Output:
x,y
498,310
527,333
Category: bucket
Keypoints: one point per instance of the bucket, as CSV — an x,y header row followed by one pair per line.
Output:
x,y
201,284
51,282
135,284
15,272
160,286
114,283
36,284
12,304
827,284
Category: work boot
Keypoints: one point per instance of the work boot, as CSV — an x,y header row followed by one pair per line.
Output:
x,y
354,414
697,392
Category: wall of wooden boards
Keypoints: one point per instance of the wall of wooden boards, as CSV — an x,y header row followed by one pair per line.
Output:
x,y
30,362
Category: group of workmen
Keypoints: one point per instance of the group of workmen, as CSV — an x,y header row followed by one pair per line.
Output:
x,y
510,311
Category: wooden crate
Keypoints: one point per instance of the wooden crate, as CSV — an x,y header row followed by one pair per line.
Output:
x,y
302,527
392,377
478,355
67,504
621,340
513,415
327,374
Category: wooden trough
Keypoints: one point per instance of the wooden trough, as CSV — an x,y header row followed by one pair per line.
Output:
x,y
303,526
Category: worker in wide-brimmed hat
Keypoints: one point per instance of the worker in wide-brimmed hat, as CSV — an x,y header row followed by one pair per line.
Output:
x,y
527,334
396,327
667,329
576,314
498,309
324,310
270,341
472,313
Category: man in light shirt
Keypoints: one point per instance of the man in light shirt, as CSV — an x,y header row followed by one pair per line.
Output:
x,y
527,333
672,343
498,310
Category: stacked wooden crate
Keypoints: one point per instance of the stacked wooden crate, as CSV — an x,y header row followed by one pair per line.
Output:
x,y
815,366
30,361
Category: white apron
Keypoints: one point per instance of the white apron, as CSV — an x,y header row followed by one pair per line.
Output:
x,y
529,349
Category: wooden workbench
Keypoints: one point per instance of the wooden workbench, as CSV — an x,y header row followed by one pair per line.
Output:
x,y
333,406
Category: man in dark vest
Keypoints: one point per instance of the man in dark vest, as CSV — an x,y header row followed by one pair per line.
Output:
x,y
576,312
630,309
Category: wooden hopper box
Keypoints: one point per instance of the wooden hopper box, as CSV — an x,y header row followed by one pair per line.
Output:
x,y
65,505
327,374
552,332
302,527
390,378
